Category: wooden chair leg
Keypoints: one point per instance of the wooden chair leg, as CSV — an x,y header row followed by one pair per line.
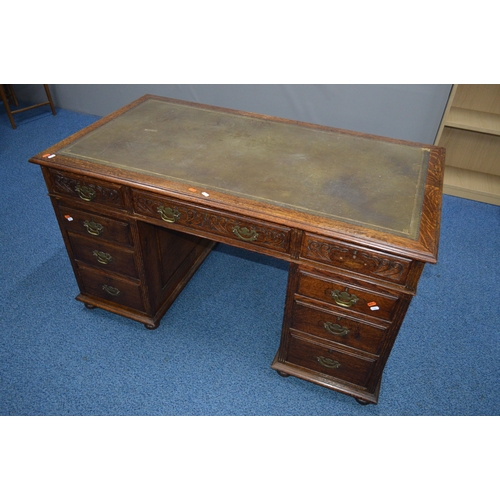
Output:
x,y
7,107
49,97
12,95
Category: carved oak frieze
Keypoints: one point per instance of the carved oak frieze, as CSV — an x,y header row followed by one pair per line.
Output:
x,y
357,260
87,191
214,222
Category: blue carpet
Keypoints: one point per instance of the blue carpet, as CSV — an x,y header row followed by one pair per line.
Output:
x,y
211,354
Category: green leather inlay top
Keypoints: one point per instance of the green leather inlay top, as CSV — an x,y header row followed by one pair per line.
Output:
x,y
359,180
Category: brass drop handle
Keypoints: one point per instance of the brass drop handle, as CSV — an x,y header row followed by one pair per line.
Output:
x,y
168,214
344,299
86,193
245,234
102,257
327,362
336,329
111,290
93,228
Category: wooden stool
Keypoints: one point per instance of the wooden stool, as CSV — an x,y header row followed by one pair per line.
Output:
x,y
9,97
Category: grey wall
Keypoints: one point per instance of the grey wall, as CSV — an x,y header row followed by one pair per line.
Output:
x,y
410,112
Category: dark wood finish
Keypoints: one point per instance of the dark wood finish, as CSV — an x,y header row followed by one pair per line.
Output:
x,y
358,295
121,265
95,225
222,226
355,258
136,233
103,256
338,327
327,361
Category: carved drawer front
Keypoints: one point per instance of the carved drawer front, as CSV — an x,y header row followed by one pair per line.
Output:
x,y
87,189
241,229
350,297
356,259
103,255
338,328
95,226
112,288
330,362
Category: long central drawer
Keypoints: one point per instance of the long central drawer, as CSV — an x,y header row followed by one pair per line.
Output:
x,y
241,229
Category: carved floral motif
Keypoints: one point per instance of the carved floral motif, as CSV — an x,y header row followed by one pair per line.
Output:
x,y
70,186
357,260
217,223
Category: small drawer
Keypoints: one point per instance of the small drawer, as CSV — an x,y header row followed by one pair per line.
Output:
x,y
95,226
87,189
112,288
253,232
338,328
339,292
356,259
103,255
329,362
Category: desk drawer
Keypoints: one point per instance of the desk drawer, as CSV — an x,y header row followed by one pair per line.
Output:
x,y
95,226
103,255
251,231
330,362
338,329
87,189
338,291
357,259
112,288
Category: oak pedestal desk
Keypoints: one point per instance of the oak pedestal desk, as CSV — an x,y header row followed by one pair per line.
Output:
x,y
142,196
